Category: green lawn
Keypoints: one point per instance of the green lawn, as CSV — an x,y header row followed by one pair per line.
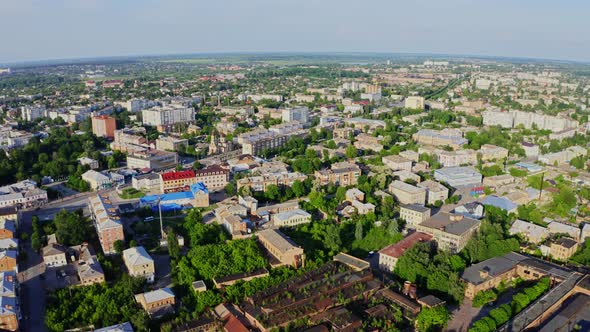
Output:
x,y
130,193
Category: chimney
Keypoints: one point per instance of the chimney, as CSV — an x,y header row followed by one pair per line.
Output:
x,y
406,289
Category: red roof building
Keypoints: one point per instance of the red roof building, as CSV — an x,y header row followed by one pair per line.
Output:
x,y
389,255
177,181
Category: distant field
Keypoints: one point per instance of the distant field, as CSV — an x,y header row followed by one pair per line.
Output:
x,y
193,61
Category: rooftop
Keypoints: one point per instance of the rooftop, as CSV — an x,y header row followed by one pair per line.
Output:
x,y
451,223
397,249
278,240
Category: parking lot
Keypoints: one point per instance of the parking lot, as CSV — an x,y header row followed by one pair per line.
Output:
x,y
60,277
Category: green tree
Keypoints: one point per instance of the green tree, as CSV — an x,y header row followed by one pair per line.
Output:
x,y
72,228
298,188
358,233
432,319
351,152
119,246
272,192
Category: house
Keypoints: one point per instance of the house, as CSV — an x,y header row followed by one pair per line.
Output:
x,y
100,181
435,191
389,255
474,210
139,263
157,302
414,214
406,193
7,229
87,265
450,231
8,260
9,313
291,218
404,175
199,286
563,248
531,232
556,227
285,251
54,254
343,174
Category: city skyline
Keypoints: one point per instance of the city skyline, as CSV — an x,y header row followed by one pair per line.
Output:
x,y
68,29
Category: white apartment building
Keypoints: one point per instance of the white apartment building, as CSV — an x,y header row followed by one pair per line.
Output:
x,y
167,115
299,114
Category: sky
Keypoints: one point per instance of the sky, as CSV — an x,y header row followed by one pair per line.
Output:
x,y
62,29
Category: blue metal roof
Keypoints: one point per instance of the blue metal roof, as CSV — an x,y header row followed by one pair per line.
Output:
x,y
500,202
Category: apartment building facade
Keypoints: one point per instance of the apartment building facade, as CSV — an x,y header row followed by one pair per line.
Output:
x,y
106,221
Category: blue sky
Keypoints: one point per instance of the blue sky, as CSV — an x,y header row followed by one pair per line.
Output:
x,y
55,29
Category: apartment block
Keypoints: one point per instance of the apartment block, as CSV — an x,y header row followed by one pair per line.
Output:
x,y
563,248
492,152
139,263
414,102
397,163
451,232
104,126
299,114
414,214
343,174
167,115
457,158
434,191
406,193
106,221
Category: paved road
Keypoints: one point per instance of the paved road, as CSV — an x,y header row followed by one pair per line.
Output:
x,y
33,297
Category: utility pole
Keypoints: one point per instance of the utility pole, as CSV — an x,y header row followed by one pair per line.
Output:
x,y
161,223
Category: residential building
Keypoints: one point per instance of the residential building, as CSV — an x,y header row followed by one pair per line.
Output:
x,y
261,183
368,142
457,158
410,155
343,133
414,102
397,163
106,221
214,177
166,116
104,126
435,191
404,176
139,263
8,260
92,163
556,227
157,302
9,286
100,181
414,214
492,152
7,228
282,248
32,112
299,114
148,182
152,159
24,194
9,313
406,193
54,254
562,157
458,177
291,218
529,231
530,149
513,119
446,137
389,255
87,265
450,231
169,143
563,248
342,174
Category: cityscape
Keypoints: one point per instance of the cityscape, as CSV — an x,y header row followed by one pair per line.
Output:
x,y
273,190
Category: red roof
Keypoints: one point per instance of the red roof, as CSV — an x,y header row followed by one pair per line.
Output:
x,y
396,250
234,325
178,175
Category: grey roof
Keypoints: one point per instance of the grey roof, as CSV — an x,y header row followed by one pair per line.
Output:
x,y
575,309
493,266
292,213
278,239
123,327
416,207
443,220
137,256
157,295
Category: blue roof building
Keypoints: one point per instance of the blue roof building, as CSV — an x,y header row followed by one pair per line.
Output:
x,y
500,202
